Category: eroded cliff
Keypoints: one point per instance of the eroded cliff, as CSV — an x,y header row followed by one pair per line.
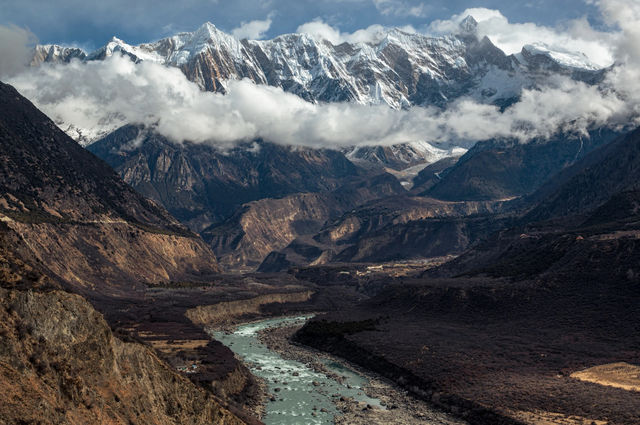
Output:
x,y
60,363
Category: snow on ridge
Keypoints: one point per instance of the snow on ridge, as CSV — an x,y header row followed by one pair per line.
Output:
x,y
562,57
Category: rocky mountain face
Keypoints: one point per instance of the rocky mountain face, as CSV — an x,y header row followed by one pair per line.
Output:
x,y
395,68
502,169
263,226
62,364
392,228
87,226
201,185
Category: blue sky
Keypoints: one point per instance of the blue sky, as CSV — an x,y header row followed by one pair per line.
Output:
x,y
92,23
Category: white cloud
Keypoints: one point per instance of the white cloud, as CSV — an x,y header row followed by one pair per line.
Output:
x,y
104,95
401,8
371,34
253,30
15,48
625,14
576,36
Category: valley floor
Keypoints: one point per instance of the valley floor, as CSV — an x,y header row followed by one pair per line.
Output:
x,y
487,351
464,351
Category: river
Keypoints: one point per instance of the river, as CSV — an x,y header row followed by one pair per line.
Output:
x,y
300,395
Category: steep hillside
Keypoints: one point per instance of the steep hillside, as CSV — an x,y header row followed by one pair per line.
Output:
x,y
610,170
430,175
393,228
201,185
60,362
507,169
260,227
80,220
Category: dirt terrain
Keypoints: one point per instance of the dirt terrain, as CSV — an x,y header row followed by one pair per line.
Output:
x,y
482,346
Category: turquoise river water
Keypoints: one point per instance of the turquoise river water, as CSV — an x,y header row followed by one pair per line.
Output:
x,y
302,396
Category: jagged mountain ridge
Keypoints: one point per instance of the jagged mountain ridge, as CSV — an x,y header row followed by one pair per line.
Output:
x,y
394,228
266,225
398,69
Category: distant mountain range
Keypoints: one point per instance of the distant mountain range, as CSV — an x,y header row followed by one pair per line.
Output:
x,y
398,68
340,198
395,68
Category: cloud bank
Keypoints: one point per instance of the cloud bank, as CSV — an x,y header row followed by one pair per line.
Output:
x,y
15,49
576,35
98,97
372,34
105,95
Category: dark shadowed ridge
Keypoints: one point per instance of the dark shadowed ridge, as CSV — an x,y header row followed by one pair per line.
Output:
x,y
47,171
201,185
77,217
501,169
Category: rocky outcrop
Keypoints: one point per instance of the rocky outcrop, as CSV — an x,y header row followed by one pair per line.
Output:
x,y
60,363
224,312
243,241
100,257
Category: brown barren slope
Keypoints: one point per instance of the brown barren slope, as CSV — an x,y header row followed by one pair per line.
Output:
x,y
620,375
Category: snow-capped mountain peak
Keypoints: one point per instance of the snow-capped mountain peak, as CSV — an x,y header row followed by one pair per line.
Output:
x,y
398,69
557,56
469,26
